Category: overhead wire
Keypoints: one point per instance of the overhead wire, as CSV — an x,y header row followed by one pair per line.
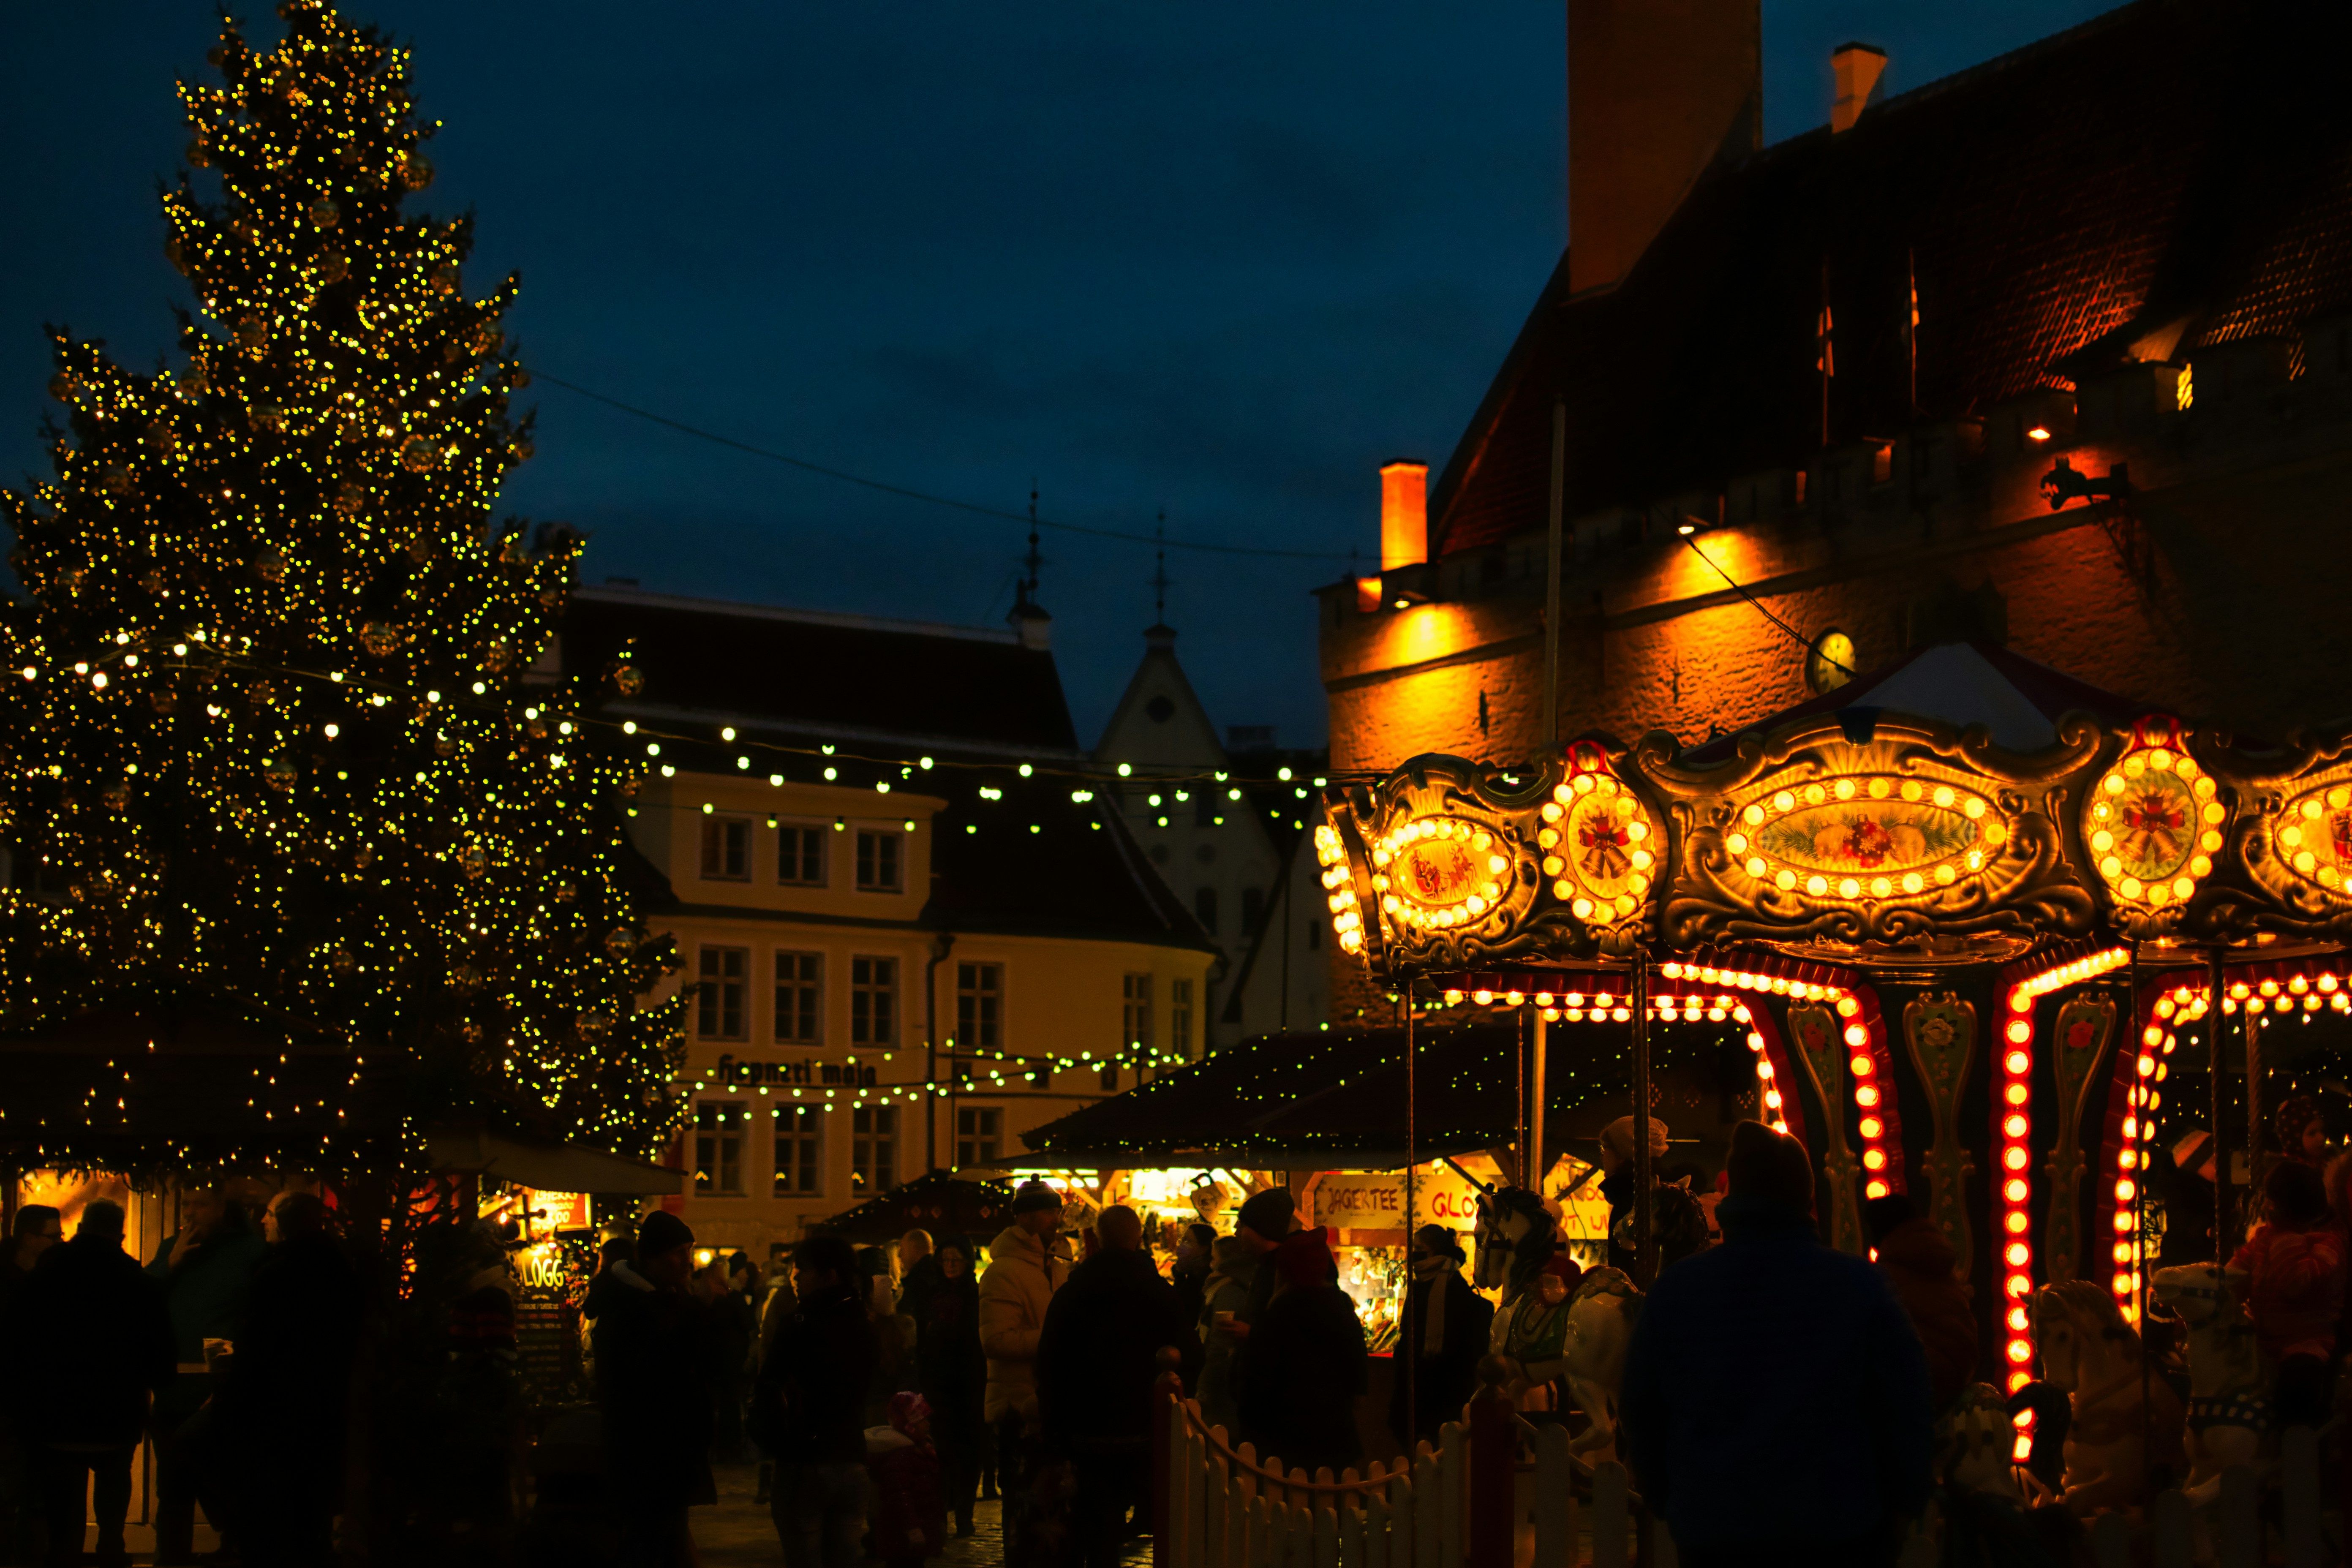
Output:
x,y
927,497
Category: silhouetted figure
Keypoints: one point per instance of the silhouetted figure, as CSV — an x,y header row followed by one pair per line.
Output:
x,y
1097,1362
1026,1264
1303,1367
206,1273
36,1230
809,1407
1441,1335
283,1408
653,1369
101,1344
1775,1403
1921,1266
943,1295
1196,1255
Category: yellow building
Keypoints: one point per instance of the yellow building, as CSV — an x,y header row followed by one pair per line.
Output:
x,y
913,928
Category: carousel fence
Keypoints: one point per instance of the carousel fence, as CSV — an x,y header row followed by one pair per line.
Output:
x,y
1498,1492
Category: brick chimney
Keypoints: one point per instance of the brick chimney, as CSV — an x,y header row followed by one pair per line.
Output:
x,y
1404,514
1858,69
1657,91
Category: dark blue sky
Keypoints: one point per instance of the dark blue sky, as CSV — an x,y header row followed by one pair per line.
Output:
x,y
1221,259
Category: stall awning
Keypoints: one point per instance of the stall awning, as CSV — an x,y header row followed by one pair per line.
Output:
x,y
551,1167
1337,1100
938,1203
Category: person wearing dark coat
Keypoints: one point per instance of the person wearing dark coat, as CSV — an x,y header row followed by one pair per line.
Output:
x,y
283,1406
205,1271
81,1399
1441,1335
1196,1255
1302,1369
942,1295
1098,1359
808,1408
1775,1406
37,1228
1919,1263
653,1369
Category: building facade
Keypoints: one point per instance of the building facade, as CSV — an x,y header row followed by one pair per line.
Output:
x,y
1970,363
1222,827
908,939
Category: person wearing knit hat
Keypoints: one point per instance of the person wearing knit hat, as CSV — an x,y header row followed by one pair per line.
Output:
x,y
654,1370
1299,1373
1028,1262
1775,1404
911,1517
1441,1334
1617,1176
1235,1293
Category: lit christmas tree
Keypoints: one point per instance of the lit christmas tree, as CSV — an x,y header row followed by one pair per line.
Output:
x,y
274,742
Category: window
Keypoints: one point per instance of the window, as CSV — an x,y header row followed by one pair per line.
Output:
x,y
1180,1018
874,1147
1135,1023
1204,909
719,1148
799,998
718,1010
878,868
1252,909
978,1130
799,855
872,1001
979,1004
800,1151
726,850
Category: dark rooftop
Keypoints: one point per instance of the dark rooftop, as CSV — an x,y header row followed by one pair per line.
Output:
x,y
2173,175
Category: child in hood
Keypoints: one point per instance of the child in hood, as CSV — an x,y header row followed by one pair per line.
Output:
x,y
2294,1287
911,1515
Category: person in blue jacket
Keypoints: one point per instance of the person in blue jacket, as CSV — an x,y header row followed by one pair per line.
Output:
x,y
1775,1406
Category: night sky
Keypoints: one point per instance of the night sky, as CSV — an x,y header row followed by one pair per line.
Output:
x,y
1223,259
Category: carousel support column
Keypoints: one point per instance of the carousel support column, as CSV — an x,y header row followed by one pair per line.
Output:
x,y
1552,573
1536,1105
1644,1261
2221,1103
2253,1024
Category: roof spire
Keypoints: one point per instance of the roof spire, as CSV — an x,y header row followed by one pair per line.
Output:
x,y
1160,571
1033,625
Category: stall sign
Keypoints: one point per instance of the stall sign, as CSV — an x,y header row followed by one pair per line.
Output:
x,y
1352,1200
552,1212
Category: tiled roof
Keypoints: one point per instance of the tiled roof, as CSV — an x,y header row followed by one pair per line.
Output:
x,y
818,674
1024,859
2175,165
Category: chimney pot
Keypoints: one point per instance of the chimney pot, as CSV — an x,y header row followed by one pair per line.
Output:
x,y
1858,69
1404,514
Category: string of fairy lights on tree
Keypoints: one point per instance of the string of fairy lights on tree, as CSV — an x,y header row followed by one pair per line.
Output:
x,y
236,767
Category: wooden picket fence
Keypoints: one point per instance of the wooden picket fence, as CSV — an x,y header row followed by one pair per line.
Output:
x,y
1497,1492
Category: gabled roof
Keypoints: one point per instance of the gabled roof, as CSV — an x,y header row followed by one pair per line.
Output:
x,y
1176,733
1960,683
812,673
1026,859
2175,173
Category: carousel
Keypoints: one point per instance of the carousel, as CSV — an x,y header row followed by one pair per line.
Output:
x,y
1999,941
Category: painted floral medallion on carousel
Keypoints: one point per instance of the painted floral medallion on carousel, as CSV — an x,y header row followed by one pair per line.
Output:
x,y
2154,826
1866,837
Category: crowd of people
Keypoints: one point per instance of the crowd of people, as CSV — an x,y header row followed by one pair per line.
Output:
x,y
231,1353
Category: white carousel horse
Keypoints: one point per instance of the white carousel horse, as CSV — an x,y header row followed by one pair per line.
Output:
x,y
2091,1352
1974,1442
2229,1410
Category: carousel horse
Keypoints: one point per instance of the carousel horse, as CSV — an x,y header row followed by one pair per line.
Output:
x,y
2228,1410
1603,1309
1514,1235
2089,1350
1974,1440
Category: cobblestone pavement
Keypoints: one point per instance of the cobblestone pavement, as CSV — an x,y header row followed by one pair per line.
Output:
x,y
738,1535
